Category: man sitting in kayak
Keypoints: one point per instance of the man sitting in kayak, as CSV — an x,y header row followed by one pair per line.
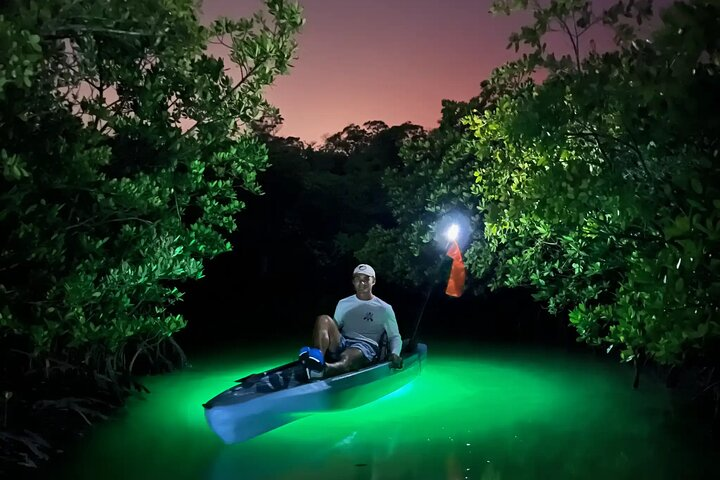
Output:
x,y
352,340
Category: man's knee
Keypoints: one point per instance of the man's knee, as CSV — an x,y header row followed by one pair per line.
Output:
x,y
324,322
324,319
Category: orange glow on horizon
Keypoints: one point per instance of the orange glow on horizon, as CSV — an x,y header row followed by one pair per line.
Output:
x,y
393,61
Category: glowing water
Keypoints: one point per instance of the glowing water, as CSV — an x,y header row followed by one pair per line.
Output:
x,y
473,413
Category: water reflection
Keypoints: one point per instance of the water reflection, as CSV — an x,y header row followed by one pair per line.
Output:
x,y
360,454
476,415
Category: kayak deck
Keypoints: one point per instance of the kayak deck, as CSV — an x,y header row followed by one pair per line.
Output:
x,y
252,408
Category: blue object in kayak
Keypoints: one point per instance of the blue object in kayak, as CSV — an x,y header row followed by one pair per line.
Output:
x,y
277,397
312,357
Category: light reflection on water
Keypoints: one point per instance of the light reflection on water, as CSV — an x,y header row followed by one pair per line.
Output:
x,y
473,413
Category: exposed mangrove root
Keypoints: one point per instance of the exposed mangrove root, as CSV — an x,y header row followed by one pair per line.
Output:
x,y
49,401
183,358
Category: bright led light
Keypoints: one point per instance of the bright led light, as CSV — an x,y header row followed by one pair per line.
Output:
x,y
452,232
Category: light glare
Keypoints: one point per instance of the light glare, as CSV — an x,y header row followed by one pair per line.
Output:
x,y
452,232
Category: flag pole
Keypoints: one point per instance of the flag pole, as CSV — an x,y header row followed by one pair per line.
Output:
x,y
422,310
427,297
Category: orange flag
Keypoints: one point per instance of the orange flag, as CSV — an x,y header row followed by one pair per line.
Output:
x,y
456,282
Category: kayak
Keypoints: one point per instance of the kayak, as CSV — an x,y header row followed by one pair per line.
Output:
x,y
263,402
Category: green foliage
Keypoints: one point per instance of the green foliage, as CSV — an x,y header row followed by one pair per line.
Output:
x,y
123,144
573,19
434,179
596,187
599,187
19,55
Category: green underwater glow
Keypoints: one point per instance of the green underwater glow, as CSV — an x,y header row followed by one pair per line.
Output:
x,y
474,412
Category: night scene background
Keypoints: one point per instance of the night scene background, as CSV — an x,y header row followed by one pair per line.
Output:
x,y
186,186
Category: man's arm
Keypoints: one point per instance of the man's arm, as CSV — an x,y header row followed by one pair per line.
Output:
x,y
393,333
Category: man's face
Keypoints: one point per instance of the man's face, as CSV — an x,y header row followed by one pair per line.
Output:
x,y
363,283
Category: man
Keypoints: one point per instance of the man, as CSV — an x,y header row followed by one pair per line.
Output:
x,y
352,339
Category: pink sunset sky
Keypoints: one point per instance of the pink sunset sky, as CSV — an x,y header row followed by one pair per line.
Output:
x,y
389,60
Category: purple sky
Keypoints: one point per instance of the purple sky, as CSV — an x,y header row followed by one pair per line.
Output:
x,y
390,60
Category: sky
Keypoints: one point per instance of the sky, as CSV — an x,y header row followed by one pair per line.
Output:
x,y
389,60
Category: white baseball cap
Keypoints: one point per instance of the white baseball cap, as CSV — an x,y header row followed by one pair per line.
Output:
x,y
365,269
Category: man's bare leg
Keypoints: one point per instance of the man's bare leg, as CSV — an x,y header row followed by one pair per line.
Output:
x,y
351,359
326,335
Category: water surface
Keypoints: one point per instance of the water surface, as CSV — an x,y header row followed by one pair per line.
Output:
x,y
475,412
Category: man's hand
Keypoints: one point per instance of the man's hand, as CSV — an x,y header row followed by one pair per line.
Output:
x,y
396,361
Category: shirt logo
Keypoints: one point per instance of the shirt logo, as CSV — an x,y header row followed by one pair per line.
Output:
x,y
369,317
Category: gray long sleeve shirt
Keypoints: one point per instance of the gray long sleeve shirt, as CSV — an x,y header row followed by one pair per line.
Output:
x,y
367,320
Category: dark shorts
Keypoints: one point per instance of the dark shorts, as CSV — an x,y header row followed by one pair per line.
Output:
x,y
369,350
